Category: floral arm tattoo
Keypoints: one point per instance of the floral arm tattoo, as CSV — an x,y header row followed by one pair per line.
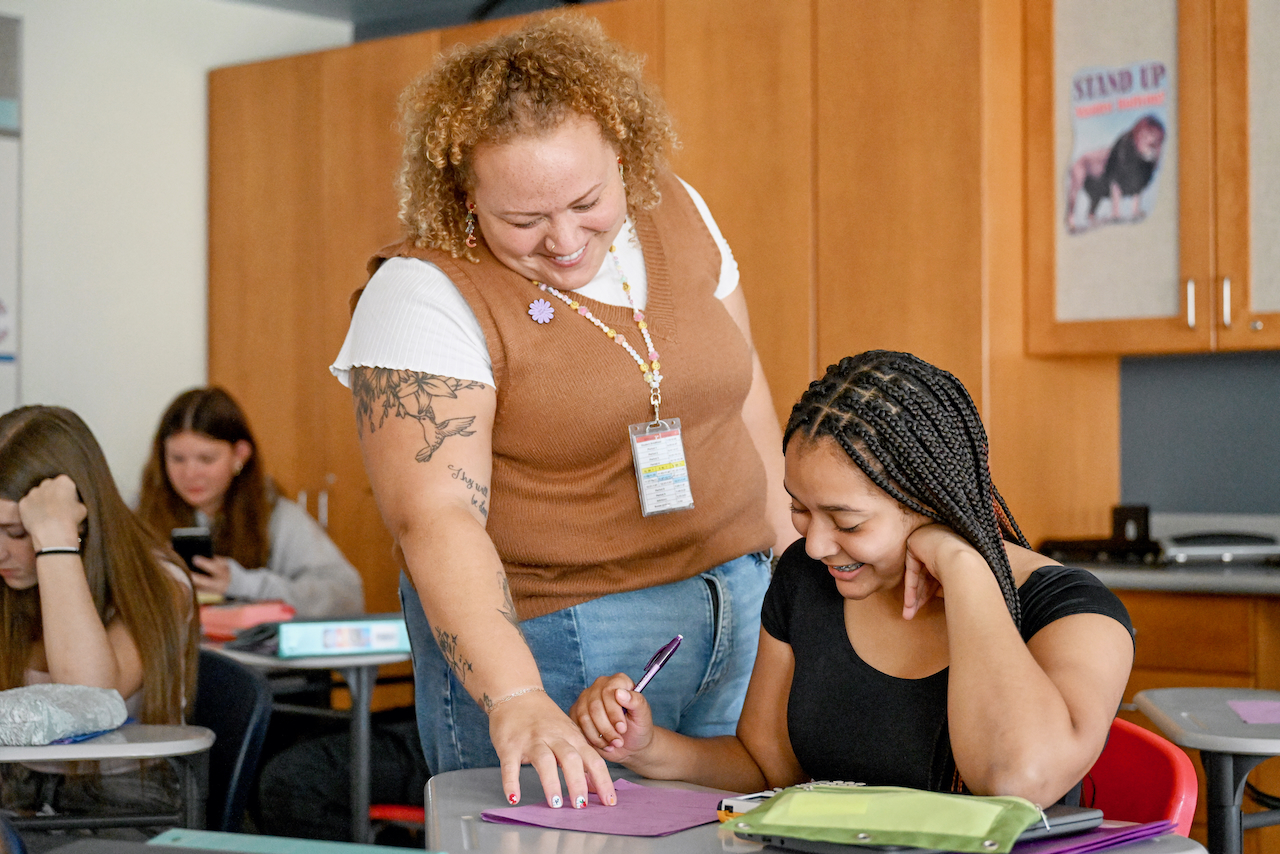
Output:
x,y
382,392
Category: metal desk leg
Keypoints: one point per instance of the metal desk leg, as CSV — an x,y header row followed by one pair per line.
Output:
x,y
195,789
1226,773
360,680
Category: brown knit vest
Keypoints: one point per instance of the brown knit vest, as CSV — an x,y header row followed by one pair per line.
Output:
x,y
565,514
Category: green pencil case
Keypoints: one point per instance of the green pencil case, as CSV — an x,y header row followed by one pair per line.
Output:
x,y
892,816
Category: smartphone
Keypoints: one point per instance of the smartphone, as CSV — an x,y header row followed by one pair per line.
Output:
x,y
189,542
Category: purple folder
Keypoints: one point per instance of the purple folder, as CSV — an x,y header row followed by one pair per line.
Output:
x,y
641,811
1099,839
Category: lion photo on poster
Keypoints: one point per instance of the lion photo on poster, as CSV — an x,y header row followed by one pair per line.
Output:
x,y
1120,121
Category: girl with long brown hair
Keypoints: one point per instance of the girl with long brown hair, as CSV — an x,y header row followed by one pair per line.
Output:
x,y
205,470
89,597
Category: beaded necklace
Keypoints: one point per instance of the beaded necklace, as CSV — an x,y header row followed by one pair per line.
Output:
x,y
648,368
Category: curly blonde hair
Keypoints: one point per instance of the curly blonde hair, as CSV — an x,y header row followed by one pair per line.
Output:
x,y
524,82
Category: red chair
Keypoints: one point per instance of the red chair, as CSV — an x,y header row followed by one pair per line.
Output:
x,y
398,813
387,816
1142,777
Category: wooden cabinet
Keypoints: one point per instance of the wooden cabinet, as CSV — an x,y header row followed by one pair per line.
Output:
x,y
919,240
1247,137
1200,640
1225,291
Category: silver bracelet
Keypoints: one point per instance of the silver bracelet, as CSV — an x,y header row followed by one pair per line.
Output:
x,y
512,696
59,550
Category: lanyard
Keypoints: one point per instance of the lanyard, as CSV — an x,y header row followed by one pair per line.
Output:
x,y
649,368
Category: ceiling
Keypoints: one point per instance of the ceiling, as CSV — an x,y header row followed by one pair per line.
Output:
x,y
378,18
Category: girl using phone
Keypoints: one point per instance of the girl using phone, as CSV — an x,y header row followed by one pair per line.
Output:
x,y
89,598
912,638
205,470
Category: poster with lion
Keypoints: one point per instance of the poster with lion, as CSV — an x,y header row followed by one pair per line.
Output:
x,y
1116,159
1120,128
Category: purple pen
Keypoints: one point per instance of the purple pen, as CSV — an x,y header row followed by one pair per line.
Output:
x,y
659,658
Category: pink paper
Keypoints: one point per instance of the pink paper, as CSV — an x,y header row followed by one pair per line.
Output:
x,y
1257,711
641,811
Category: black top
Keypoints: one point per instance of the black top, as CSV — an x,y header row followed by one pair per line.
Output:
x,y
849,721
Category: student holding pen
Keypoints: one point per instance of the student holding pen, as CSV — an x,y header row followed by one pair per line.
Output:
x,y
912,637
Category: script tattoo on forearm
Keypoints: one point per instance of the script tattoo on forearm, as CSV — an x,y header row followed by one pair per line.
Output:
x,y
480,492
448,644
382,392
508,609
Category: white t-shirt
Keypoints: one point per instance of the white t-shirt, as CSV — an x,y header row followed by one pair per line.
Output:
x,y
412,317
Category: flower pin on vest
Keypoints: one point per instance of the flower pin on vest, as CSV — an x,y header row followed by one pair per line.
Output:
x,y
542,311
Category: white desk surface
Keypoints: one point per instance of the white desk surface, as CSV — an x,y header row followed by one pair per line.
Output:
x,y
314,662
131,741
1200,718
455,800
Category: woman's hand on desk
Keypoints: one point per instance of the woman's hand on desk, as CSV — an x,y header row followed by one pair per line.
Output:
x,y
531,729
616,720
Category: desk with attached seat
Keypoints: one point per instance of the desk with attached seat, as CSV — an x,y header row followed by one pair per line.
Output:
x,y
1201,719
360,670
188,745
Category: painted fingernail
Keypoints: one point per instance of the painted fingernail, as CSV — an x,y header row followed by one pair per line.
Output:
x,y
579,803
513,799
613,800
556,802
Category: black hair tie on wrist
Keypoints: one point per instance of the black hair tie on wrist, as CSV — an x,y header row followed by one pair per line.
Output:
x,y
59,550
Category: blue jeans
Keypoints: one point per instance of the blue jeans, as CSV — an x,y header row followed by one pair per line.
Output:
x,y
698,693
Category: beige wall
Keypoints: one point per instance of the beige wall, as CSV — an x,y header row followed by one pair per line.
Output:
x,y
114,185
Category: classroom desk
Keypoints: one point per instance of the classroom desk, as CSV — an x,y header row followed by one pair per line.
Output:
x,y
455,800
360,672
189,745
1200,719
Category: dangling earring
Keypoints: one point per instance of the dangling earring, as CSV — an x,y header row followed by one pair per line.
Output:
x,y
471,225
621,174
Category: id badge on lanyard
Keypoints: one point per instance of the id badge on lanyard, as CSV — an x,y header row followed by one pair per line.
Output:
x,y
662,476
656,446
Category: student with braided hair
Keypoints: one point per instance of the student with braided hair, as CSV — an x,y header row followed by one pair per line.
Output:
x,y
912,638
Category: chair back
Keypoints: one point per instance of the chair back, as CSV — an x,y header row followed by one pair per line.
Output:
x,y
1142,777
235,702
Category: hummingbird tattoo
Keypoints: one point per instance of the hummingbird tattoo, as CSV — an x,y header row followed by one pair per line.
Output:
x,y
380,392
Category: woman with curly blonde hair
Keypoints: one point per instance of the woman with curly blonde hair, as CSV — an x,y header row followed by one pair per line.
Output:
x,y
565,423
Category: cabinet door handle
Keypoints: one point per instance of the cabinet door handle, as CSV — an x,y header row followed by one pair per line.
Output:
x,y
1191,303
322,508
1226,301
